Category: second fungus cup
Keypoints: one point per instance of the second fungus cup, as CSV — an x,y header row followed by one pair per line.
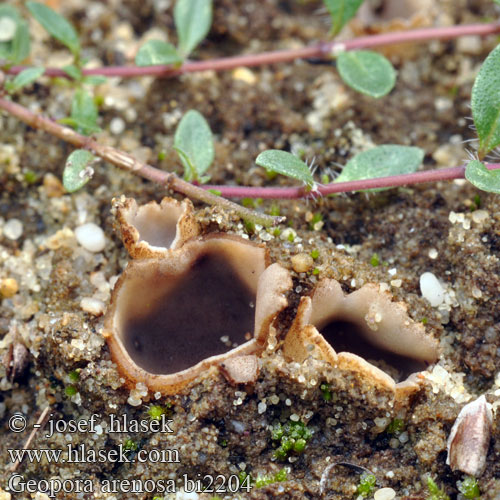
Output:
x,y
364,325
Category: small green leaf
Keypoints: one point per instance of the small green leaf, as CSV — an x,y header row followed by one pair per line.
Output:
x,y
485,103
14,36
486,180
21,44
94,79
367,72
193,19
156,52
497,1
287,164
382,161
194,142
341,11
27,76
84,113
56,25
24,78
74,72
77,171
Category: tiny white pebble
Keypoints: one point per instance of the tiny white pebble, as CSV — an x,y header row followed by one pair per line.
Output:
x,y
384,494
403,437
393,443
13,229
433,253
479,216
117,126
134,401
93,306
91,237
431,289
182,495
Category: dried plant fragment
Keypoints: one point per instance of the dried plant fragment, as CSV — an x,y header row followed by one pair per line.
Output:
x,y
470,438
16,361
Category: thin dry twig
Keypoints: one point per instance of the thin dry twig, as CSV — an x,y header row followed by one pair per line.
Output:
x,y
40,424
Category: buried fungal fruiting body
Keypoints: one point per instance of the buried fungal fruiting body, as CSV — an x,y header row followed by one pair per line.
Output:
x,y
365,324
171,319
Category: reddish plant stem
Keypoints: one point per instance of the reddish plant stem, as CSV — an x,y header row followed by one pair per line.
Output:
x,y
441,174
128,162
318,50
170,180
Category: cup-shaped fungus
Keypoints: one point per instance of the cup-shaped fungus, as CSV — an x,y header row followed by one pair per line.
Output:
x,y
364,325
153,229
171,319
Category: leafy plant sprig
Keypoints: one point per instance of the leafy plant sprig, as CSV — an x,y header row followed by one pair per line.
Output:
x,y
84,112
83,117
192,19
15,37
194,143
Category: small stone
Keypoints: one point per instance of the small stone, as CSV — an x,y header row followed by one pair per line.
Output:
x,y
53,186
13,229
91,237
8,288
480,216
8,29
133,401
433,253
4,495
431,289
93,306
182,495
245,75
384,494
117,126
302,262
472,45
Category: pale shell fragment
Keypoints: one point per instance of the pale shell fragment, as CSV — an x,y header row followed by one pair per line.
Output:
x,y
469,439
